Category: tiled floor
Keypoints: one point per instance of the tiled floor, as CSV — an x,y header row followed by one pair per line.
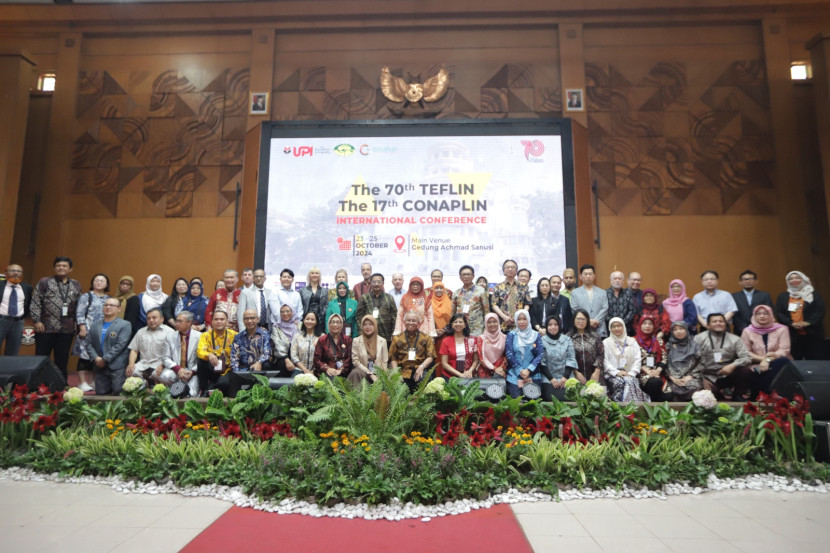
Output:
x,y
751,521
48,517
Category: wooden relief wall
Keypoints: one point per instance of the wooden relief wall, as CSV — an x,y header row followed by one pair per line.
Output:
x,y
681,127
157,138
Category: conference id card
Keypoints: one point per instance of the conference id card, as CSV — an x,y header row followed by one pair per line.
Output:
x,y
650,362
218,367
718,356
466,309
375,313
412,355
793,307
348,331
65,311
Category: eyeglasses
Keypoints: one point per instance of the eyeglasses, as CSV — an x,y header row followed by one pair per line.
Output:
x,y
9,271
112,305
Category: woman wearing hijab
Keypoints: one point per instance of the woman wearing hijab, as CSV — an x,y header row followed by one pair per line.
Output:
x,y
559,359
369,352
315,297
653,309
333,352
523,349
441,306
125,292
801,309
652,360
174,303
344,306
282,334
622,364
588,347
340,276
768,343
138,306
684,367
415,300
678,306
458,353
195,302
491,349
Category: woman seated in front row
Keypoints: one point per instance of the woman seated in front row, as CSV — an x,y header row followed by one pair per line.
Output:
x,y
369,352
589,349
768,343
652,360
684,367
493,362
458,351
333,352
558,361
523,348
622,364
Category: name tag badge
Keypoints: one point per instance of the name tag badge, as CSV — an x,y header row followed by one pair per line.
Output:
x,y
348,331
412,355
621,365
718,356
466,309
649,361
218,368
339,365
371,367
375,313
794,307
65,310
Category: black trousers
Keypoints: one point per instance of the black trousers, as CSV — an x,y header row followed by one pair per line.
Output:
x,y
58,342
210,379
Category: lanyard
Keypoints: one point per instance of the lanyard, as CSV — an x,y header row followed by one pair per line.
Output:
x,y
712,343
64,290
224,340
412,346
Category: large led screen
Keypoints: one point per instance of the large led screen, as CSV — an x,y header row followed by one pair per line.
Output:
x,y
413,197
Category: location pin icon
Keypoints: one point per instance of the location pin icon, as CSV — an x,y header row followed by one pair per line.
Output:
x,y
400,241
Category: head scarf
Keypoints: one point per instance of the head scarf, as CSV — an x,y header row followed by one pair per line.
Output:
x,y
654,307
441,307
805,291
289,328
196,304
411,300
342,300
558,322
122,298
649,341
492,343
681,352
525,337
757,328
620,341
674,303
371,342
150,299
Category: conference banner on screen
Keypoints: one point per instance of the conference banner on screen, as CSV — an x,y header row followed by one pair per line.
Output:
x,y
411,204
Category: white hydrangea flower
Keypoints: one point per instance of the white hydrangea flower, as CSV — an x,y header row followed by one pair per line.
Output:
x,y
73,395
704,399
305,380
435,386
133,384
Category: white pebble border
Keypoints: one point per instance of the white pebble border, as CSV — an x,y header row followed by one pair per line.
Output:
x,y
400,511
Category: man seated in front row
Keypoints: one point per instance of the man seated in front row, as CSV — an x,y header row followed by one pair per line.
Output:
x,y
726,361
186,345
215,354
151,351
251,349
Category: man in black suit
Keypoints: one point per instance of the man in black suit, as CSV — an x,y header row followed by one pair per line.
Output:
x,y
747,300
106,345
15,301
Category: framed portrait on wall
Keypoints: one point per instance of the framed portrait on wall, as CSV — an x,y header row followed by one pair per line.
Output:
x,y
574,97
259,103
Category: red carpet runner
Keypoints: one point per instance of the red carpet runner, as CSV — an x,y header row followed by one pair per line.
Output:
x,y
493,530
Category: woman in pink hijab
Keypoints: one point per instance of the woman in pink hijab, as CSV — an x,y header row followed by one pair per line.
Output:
x,y
679,307
768,343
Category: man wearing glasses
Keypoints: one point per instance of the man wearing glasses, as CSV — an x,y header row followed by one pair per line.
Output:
x,y
106,345
15,300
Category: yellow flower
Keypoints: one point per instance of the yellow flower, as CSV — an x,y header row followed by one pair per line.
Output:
x,y
186,436
117,421
368,447
437,441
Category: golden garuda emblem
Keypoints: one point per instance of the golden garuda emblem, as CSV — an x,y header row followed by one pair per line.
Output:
x,y
398,90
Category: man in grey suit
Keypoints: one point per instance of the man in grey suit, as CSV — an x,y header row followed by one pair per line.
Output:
x,y
747,300
106,345
592,299
186,344
258,298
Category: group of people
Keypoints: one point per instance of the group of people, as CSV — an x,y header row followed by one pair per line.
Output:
x,y
641,348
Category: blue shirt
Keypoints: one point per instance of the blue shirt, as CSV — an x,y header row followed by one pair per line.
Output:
x,y
247,350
